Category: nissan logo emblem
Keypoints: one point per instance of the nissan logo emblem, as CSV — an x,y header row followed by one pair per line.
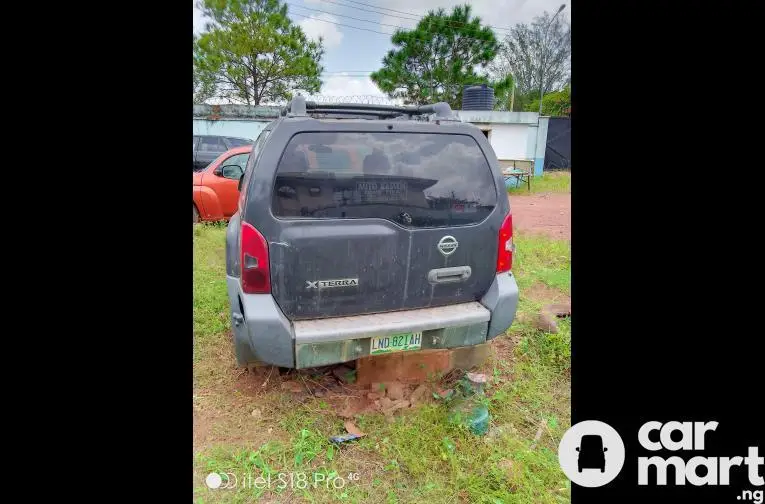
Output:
x,y
447,245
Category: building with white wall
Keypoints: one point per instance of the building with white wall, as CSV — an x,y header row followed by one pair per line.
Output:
x,y
518,138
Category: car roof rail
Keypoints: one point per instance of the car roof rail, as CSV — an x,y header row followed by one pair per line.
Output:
x,y
298,107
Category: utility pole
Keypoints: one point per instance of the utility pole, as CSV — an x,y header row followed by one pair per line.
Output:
x,y
432,69
542,57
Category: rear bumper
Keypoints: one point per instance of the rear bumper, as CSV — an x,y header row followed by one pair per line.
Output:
x,y
275,340
502,301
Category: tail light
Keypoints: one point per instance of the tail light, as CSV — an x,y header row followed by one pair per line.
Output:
x,y
256,278
506,247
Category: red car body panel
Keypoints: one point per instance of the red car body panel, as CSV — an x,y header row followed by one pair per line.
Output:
x,y
216,198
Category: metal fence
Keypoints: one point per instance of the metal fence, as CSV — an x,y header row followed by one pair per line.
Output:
x,y
558,151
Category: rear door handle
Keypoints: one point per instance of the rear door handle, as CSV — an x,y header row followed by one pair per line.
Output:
x,y
449,275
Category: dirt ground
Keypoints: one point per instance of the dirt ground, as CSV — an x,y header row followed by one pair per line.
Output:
x,y
215,422
548,214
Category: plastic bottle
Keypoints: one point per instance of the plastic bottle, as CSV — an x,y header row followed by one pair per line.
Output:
x,y
469,409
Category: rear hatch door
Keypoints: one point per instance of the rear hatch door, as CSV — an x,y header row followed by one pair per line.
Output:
x,y
377,221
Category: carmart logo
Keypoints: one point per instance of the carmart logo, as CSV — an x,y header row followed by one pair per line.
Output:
x,y
591,454
692,437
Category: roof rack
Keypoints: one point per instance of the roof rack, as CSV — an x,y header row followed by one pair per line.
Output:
x,y
300,107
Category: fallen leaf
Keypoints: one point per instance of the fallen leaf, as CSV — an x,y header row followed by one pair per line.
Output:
x,y
352,429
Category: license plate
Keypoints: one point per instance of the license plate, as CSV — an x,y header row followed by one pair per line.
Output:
x,y
396,343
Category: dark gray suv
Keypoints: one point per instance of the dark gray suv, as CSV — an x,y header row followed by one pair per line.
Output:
x,y
365,230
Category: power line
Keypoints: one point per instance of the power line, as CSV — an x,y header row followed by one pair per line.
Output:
x,y
340,24
416,17
422,38
349,17
384,8
409,13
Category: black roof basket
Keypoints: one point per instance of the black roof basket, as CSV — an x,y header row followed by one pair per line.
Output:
x,y
300,107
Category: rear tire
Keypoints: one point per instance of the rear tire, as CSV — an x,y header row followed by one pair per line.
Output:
x,y
196,214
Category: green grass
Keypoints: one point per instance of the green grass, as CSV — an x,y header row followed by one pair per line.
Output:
x,y
549,182
211,315
420,456
541,259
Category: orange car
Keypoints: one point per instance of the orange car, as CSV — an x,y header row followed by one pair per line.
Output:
x,y
216,187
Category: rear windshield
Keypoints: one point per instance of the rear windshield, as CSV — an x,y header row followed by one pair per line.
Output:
x,y
414,179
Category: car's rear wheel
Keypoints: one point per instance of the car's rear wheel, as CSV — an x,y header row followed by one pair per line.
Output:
x,y
196,214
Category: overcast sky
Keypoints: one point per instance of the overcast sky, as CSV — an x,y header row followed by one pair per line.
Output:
x,y
351,54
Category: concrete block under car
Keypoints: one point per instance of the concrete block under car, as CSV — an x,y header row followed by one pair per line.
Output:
x,y
413,367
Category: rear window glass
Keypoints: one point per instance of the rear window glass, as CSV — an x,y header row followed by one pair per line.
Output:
x,y
414,179
239,142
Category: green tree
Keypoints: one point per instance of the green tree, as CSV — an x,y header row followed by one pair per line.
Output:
x,y
203,90
251,53
436,59
557,103
504,97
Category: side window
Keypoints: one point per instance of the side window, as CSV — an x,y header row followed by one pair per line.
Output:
x,y
212,144
194,145
233,167
250,168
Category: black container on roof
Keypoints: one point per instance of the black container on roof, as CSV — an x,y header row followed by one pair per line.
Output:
x,y
479,97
